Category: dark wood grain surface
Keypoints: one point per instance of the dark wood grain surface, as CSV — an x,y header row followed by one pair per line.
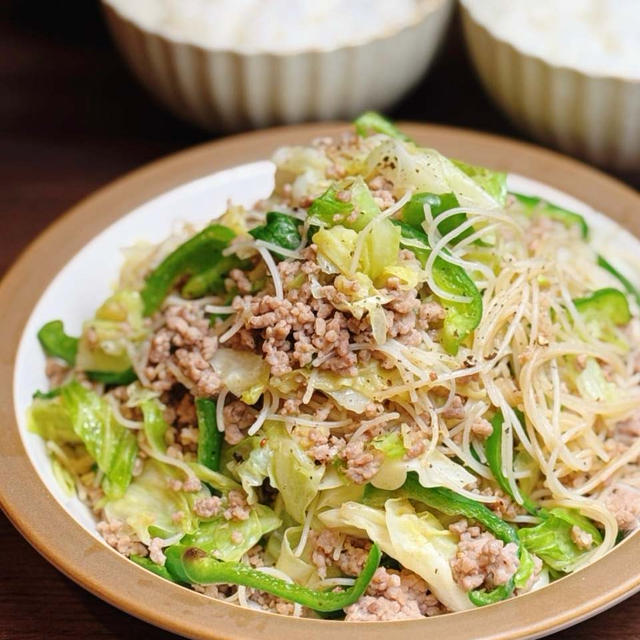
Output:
x,y
71,120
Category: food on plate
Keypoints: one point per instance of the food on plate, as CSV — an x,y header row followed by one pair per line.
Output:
x,y
392,389
279,26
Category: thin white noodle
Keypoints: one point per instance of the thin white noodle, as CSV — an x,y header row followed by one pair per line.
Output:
x,y
267,407
229,333
273,270
304,534
125,422
274,248
222,396
219,309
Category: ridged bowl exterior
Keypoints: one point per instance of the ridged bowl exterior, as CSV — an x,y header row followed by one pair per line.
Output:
x,y
595,117
222,89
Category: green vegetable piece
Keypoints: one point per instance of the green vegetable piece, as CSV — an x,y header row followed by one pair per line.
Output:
x,y
624,281
533,204
212,280
113,377
607,305
149,565
329,208
493,182
551,539
201,568
280,229
413,213
493,451
154,425
49,418
57,343
173,563
112,446
46,395
209,437
194,256
462,317
372,122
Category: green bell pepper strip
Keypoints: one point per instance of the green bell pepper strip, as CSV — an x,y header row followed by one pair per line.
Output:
x,y
372,122
209,437
55,342
47,395
413,213
533,204
113,377
280,229
462,317
212,280
201,568
624,281
493,451
149,565
194,256
452,503
608,305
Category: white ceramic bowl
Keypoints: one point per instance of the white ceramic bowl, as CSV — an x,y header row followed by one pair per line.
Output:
x,y
226,89
593,116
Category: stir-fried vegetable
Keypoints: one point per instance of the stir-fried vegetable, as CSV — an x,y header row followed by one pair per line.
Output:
x,y
55,342
200,568
198,254
209,437
372,122
605,305
462,317
535,205
279,229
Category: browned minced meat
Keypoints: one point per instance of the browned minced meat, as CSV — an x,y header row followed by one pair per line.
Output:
x,y
237,417
332,548
394,595
269,602
503,505
623,500
184,339
293,331
324,447
207,507
363,462
481,559
481,428
116,536
456,410
581,538
237,506
57,371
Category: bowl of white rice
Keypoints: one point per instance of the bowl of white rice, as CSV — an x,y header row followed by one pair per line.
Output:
x,y
235,64
568,72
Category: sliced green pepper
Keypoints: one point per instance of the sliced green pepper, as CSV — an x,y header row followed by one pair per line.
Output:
x,y
493,451
624,281
57,343
173,563
47,395
372,122
462,317
212,280
280,229
533,204
113,377
149,565
194,256
607,305
201,568
209,437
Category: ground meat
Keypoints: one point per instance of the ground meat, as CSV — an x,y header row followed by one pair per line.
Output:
x,y
324,447
623,500
115,535
481,559
57,372
394,595
362,462
481,428
503,505
217,591
431,314
155,551
269,602
183,344
456,410
237,507
207,507
237,417
626,431
332,548
581,538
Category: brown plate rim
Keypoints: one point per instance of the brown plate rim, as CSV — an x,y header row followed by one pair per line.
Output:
x,y
62,541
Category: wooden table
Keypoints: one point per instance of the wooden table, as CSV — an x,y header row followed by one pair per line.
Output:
x,y
71,120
